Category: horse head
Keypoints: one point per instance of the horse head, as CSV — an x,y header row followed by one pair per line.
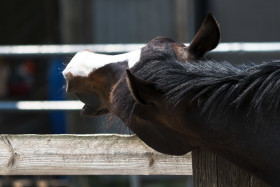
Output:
x,y
91,77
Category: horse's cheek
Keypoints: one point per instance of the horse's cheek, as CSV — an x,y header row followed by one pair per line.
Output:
x,y
143,111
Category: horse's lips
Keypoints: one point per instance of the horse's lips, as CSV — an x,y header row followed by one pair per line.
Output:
x,y
90,111
87,110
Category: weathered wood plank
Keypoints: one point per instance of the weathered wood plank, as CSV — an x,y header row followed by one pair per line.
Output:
x,y
204,172
86,155
214,171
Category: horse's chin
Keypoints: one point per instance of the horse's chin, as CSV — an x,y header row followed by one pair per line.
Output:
x,y
90,111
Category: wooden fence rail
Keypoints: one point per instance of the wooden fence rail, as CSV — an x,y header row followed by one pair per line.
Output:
x,y
99,154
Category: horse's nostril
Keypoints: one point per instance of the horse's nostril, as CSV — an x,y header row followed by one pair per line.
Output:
x,y
68,76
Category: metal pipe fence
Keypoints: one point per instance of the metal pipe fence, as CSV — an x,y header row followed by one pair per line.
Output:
x,y
51,50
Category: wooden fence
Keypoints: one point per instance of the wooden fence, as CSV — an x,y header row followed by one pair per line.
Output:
x,y
112,154
98,154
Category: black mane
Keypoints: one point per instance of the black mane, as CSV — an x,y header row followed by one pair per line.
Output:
x,y
218,88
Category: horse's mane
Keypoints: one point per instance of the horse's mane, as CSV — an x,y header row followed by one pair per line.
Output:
x,y
216,87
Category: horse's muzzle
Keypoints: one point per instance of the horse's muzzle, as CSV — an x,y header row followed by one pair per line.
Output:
x,y
93,105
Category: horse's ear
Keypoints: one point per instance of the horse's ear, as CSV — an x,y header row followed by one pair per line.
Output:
x,y
207,37
142,91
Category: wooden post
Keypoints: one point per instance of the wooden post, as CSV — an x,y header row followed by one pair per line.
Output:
x,y
213,171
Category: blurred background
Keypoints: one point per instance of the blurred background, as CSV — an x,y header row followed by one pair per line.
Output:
x,y
38,22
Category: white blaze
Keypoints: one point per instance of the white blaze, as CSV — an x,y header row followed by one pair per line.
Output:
x,y
84,62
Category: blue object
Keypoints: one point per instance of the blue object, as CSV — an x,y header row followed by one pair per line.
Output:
x,y
56,92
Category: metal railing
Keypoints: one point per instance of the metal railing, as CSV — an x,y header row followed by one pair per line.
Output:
x,y
50,50
41,105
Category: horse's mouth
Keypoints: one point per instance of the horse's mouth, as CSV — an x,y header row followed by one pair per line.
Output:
x,y
93,105
90,111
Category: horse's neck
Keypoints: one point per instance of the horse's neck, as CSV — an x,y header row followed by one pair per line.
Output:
x,y
250,144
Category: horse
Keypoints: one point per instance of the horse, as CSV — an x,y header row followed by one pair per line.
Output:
x,y
175,100
232,111
91,76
